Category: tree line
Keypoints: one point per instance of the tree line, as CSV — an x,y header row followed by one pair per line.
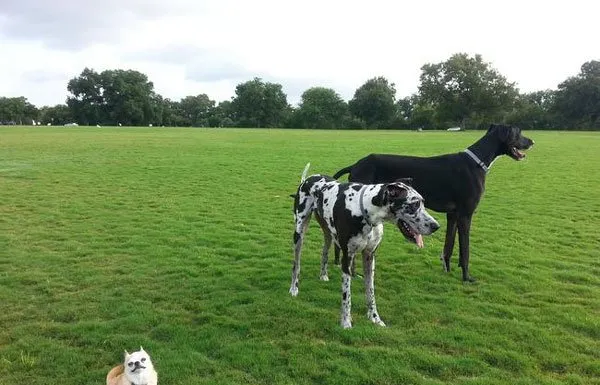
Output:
x,y
463,91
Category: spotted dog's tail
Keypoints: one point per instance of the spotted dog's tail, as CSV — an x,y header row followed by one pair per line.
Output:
x,y
305,172
303,177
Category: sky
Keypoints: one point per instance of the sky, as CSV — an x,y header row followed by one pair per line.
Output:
x,y
190,47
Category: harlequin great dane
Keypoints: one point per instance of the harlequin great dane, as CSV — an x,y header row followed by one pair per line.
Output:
x,y
450,183
352,216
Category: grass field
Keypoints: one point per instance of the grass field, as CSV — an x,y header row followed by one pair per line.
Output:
x,y
179,240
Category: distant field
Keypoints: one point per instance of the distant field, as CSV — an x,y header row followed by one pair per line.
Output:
x,y
179,240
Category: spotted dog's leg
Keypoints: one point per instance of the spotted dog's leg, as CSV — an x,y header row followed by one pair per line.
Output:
x,y
346,301
327,240
302,220
346,316
369,268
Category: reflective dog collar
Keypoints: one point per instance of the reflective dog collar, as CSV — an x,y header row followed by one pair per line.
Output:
x,y
477,160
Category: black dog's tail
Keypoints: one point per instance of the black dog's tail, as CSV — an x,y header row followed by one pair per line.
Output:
x,y
343,171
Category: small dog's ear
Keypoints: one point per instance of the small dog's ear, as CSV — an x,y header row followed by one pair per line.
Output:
x,y
141,349
126,354
394,191
406,181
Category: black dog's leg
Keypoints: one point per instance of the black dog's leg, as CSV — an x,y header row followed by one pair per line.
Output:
x,y
451,219
337,261
464,228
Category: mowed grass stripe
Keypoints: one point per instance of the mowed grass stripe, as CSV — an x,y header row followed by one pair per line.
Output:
x,y
180,240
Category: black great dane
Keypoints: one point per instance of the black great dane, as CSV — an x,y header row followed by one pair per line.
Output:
x,y
451,183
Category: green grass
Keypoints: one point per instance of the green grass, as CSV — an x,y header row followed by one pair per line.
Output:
x,y
180,240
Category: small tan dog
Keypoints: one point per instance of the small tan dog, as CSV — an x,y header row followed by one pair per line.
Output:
x,y
137,369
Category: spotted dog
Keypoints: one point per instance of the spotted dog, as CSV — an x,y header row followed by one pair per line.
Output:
x,y
352,216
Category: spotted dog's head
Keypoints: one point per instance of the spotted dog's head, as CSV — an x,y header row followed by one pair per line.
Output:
x,y
408,211
511,140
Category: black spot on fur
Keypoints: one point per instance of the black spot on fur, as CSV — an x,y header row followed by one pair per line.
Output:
x,y
378,200
347,225
296,237
356,187
344,296
299,206
319,197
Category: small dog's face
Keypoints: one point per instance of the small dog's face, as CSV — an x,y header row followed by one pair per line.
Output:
x,y
406,205
137,362
512,140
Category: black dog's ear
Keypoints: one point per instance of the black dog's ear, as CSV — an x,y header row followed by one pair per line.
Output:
x,y
502,132
394,192
406,181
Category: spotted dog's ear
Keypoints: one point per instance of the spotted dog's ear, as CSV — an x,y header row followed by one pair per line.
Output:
x,y
393,191
406,181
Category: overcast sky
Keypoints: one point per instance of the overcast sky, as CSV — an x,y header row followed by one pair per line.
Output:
x,y
188,47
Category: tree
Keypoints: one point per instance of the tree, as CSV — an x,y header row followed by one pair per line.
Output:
x,y
86,102
373,102
578,98
534,110
405,110
17,110
197,110
128,98
222,115
259,104
321,108
466,91
55,115
111,97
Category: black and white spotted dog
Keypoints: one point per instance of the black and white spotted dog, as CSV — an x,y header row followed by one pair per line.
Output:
x,y
352,216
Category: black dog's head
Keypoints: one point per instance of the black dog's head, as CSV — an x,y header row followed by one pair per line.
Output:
x,y
511,140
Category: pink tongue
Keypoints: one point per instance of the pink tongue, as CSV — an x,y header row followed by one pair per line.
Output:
x,y
419,239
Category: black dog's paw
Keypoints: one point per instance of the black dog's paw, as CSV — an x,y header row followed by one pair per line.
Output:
x,y
469,280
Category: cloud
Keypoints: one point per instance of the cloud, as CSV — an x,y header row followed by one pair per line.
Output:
x,y
75,24
188,47
42,76
199,64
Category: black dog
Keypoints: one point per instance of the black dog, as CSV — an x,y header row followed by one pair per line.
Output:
x,y
451,183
